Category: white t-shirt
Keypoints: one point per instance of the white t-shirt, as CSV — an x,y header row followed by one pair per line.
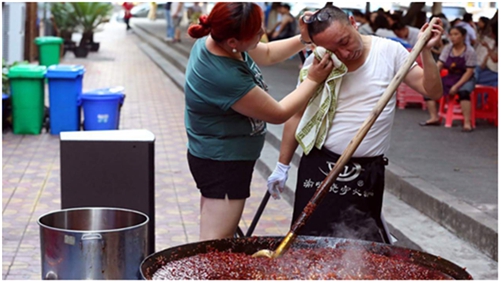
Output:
x,y
360,91
365,29
413,36
174,7
382,32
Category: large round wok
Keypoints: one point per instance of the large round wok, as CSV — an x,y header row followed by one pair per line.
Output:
x,y
250,245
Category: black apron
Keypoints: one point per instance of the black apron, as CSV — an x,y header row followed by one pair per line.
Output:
x,y
352,207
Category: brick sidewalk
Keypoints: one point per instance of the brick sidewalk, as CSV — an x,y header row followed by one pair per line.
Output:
x,y
31,180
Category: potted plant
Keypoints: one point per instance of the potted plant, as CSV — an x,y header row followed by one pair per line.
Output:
x,y
64,21
89,16
6,105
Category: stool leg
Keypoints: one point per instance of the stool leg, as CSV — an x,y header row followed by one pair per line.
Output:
x,y
473,100
450,113
441,107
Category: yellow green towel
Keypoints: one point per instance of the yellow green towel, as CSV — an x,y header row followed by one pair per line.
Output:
x,y
319,114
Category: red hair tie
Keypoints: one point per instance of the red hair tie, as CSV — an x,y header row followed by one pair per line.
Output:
x,y
203,21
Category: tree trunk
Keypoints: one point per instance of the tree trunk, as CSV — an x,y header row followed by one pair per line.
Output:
x,y
436,8
494,18
86,37
413,13
31,32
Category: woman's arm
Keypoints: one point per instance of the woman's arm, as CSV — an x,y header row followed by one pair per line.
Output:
x,y
289,143
266,54
493,54
260,105
280,50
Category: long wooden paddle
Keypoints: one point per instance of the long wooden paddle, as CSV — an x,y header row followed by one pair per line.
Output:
x,y
352,147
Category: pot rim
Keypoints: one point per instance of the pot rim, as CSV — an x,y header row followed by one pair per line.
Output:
x,y
144,223
446,267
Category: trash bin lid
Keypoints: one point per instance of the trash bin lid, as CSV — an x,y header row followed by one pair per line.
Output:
x,y
48,40
64,71
5,96
27,71
105,93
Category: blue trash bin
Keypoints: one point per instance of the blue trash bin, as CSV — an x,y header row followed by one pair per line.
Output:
x,y
101,108
5,110
65,89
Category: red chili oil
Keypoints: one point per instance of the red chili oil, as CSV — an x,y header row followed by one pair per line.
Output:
x,y
296,264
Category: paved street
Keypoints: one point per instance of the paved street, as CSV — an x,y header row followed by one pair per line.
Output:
x,y
30,164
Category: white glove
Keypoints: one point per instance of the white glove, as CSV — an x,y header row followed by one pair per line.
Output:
x,y
277,179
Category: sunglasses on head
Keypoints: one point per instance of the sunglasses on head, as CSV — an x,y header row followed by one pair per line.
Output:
x,y
319,16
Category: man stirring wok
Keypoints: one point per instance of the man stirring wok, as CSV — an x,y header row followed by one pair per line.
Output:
x,y
354,202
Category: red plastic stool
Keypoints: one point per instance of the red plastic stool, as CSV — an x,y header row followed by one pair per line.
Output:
x,y
488,106
406,95
450,109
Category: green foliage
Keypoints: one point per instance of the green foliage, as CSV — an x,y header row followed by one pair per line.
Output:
x,y
90,15
64,16
5,71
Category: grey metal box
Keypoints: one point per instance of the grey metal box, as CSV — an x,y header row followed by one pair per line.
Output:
x,y
109,169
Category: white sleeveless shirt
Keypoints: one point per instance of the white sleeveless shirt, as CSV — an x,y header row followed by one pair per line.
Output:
x,y
359,93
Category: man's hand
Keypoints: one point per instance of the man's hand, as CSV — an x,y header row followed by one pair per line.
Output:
x,y
277,179
436,34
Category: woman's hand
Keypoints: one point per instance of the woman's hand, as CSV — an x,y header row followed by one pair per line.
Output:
x,y
303,27
485,44
436,34
320,70
454,89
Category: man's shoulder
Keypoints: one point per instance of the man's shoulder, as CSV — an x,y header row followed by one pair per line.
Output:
x,y
383,42
414,29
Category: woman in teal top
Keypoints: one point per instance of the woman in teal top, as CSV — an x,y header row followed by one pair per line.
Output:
x,y
227,107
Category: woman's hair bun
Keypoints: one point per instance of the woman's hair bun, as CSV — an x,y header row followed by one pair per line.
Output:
x,y
204,21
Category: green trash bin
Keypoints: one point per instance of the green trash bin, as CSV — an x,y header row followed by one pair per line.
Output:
x,y
49,50
27,98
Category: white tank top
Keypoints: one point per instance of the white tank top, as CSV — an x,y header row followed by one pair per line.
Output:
x,y
359,93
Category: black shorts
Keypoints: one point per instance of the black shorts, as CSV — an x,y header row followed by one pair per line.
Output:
x,y
222,179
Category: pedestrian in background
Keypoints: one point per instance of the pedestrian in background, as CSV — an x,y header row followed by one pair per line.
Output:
x,y
467,24
287,27
483,28
381,27
152,14
460,60
487,70
227,107
365,25
408,33
196,12
353,206
177,12
127,15
170,24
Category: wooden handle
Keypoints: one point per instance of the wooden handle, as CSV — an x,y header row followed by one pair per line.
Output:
x,y
355,142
